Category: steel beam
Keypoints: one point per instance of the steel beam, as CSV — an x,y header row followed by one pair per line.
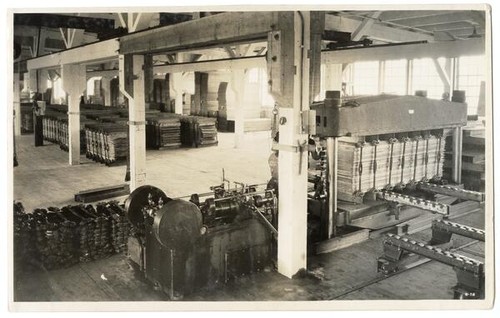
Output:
x,y
447,49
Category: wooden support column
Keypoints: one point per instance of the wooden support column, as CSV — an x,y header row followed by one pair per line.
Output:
x,y
288,67
42,80
132,86
17,104
148,79
106,87
176,83
33,81
74,82
238,87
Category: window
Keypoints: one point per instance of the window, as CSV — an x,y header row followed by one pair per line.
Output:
x,y
365,78
395,77
471,72
426,78
253,75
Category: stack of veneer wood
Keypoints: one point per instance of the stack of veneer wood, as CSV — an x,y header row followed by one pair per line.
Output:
x,y
24,232
364,166
120,227
473,157
198,131
57,238
163,131
26,118
106,142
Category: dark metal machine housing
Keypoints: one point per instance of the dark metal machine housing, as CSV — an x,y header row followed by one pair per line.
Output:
x,y
185,245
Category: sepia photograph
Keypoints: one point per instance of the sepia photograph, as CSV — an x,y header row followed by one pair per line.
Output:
x,y
252,157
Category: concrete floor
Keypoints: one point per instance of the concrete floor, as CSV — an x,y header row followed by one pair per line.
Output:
x,y
44,179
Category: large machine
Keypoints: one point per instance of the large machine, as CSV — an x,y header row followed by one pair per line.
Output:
x,y
383,160
182,245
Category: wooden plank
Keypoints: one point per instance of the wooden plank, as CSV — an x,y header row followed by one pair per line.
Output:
x,y
474,140
343,241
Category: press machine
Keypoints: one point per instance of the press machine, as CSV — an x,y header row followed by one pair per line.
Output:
x,y
384,160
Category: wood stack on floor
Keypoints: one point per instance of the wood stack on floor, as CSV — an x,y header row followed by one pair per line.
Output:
x,y
163,131
27,123
57,238
198,131
364,166
107,142
104,131
473,157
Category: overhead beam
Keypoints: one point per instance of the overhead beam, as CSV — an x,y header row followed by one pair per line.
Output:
x,y
219,29
365,26
51,20
450,17
411,51
105,73
443,75
205,66
397,15
90,53
345,24
448,26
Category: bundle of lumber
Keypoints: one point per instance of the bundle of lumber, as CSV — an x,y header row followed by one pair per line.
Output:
x,y
379,164
163,131
106,142
473,157
198,131
57,238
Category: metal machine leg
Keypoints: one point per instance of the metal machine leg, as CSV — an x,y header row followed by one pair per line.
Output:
x,y
332,153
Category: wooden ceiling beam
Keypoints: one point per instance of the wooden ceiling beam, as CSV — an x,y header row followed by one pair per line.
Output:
x,y
224,28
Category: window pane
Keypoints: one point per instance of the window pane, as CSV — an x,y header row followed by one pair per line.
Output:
x,y
365,78
425,77
471,72
395,77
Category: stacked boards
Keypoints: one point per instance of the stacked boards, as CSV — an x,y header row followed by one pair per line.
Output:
x,y
59,238
163,131
106,142
104,131
381,164
473,157
198,131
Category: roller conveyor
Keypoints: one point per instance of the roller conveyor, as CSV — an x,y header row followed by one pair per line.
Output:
x,y
401,252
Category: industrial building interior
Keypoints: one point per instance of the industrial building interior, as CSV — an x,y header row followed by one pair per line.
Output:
x,y
251,156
